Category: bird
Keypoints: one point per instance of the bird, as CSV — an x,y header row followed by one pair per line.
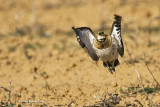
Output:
x,y
101,46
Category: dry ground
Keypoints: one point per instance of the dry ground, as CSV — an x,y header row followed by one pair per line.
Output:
x,y
39,52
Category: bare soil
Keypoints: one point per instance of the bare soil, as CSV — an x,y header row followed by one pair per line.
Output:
x,y
40,53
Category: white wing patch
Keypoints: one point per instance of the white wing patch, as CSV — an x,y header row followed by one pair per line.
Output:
x,y
116,33
85,38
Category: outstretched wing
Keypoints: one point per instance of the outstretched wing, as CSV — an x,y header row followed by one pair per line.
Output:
x,y
116,33
85,37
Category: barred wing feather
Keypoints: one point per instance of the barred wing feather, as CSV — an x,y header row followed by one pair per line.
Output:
x,y
116,33
85,37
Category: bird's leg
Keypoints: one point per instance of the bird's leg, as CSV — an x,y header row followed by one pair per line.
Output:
x,y
112,68
109,66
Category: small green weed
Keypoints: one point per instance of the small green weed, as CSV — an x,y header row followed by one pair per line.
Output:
x,y
150,90
29,46
150,44
147,89
39,45
12,48
60,48
7,104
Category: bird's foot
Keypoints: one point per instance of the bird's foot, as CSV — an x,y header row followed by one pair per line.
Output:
x,y
111,70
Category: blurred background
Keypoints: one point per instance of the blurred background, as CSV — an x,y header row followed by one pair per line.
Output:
x,y
40,53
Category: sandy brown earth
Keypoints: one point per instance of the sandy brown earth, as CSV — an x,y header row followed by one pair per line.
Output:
x,y
40,54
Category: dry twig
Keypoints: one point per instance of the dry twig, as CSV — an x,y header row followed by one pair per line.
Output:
x,y
129,53
150,70
9,93
46,87
138,102
112,101
150,101
4,88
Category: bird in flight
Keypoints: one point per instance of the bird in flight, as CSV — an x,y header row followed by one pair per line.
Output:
x,y
102,46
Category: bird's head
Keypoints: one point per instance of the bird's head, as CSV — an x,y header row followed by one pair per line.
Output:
x,y
101,37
